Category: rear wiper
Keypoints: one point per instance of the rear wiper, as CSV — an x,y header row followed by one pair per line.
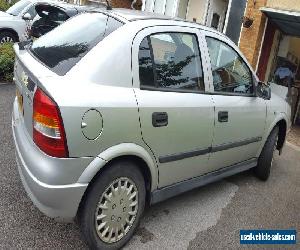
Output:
x,y
25,44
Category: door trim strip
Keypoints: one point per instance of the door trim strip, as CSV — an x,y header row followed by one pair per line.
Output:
x,y
214,149
235,144
181,156
181,187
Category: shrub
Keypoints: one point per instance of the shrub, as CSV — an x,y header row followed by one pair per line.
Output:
x,y
4,5
7,58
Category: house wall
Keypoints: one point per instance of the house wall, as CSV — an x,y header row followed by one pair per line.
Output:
x,y
294,46
197,11
251,38
293,5
182,8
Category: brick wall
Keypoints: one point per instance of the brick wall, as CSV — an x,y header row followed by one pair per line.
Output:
x,y
115,3
250,40
293,5
126,4
121,3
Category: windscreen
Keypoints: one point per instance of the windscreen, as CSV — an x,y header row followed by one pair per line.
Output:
x,y
63,47
18,7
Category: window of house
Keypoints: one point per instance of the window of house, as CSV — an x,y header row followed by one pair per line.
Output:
x,y
230,73
171,61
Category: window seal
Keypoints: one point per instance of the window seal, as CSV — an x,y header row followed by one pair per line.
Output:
x,y
143,87
153,63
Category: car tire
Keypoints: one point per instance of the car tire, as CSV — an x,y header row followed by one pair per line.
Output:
x,y
7,36
104,204
265,160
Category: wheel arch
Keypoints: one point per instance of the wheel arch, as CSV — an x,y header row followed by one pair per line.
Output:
x,y
128,151
282,125
281,122
11,31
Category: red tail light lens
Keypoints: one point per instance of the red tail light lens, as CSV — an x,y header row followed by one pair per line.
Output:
x,y
48,130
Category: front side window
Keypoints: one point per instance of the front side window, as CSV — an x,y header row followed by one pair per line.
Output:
x,y
230,73
170,61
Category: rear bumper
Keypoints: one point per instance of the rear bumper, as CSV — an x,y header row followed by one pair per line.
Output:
x,y
57,201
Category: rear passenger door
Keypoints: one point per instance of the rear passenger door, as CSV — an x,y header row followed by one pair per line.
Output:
x,y
239,114
176,116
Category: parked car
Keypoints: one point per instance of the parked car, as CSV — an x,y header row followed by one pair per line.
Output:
x,y
50,15
119,109
15,22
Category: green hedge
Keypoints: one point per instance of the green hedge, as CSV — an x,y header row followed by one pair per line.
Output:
x,y
4,5
7,58
7,55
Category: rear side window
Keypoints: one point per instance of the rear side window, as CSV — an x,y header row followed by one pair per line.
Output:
x,y
63,47
171,61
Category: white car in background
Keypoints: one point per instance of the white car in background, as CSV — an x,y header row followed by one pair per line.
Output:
x,y
15,22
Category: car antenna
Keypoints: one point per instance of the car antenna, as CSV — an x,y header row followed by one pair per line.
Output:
x,y
108,7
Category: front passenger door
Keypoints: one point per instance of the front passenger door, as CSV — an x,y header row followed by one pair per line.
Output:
x,y
239,114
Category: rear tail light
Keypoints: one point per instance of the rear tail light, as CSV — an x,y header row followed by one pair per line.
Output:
x,y
48,130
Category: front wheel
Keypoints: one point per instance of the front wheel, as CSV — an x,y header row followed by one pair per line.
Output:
x,y
7,37
265,160
113,206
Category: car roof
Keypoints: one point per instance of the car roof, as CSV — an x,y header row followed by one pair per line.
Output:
x,y
127,15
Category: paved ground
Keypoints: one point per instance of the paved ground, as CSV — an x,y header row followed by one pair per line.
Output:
x,y
206,218
294,135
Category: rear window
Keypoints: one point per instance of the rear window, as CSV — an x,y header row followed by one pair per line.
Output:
x,y
63,47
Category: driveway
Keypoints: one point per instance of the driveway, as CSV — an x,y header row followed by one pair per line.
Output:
x,y
205,218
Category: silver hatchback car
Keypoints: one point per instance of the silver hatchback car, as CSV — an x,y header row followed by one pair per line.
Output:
x,y
119,109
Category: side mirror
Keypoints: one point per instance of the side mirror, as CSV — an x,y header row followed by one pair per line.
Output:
x,y
263,90
27,17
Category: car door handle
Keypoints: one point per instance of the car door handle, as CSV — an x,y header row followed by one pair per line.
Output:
x,y
223,116
159,119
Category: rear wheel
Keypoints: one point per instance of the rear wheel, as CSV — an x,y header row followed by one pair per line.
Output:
x,y
265,160
113,206
7,37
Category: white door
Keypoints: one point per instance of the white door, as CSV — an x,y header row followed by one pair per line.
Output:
x,y
216,14
240,115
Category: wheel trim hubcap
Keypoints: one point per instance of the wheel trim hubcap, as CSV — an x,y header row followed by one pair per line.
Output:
x,y
6,39
116,210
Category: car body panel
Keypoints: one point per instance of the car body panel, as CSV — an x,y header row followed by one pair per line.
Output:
x,y
246,121
48,170
42,177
